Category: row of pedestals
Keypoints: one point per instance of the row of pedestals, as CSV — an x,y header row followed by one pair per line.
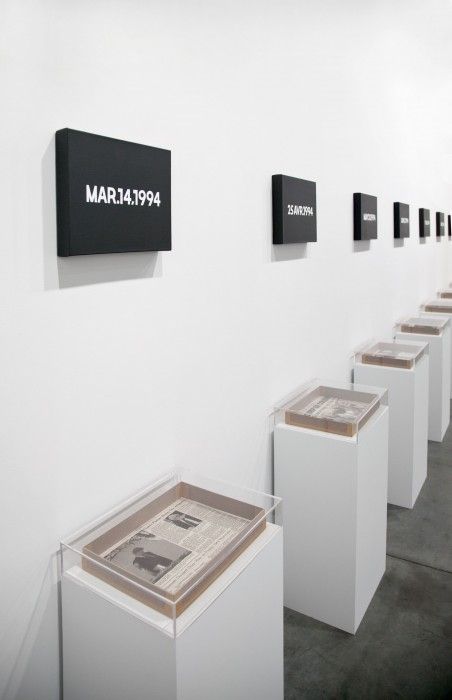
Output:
x,y
336,487
335,479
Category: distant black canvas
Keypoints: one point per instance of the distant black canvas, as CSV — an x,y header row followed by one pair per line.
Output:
x,y
294,210
364,217
113,196
424,223
440,224
401,220
449,226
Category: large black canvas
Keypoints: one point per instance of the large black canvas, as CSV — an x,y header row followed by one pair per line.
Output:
x,y
113,196
294,210
364,217
424,223
401,220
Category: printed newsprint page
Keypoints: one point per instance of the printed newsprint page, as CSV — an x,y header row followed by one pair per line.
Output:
x,y
334,408
176,544
392,354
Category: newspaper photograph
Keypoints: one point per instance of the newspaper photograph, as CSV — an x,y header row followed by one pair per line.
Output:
x,y
176,544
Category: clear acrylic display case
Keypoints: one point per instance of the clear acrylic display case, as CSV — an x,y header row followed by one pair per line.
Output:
x,y
391,354
341,409
438,306
445,294
422,325
141,552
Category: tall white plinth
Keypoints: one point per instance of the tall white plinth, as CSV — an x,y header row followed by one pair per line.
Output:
x,y
229,644
431,314
335,491
408,425
439,379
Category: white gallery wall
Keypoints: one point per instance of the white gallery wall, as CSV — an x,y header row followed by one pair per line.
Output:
x,y
116,368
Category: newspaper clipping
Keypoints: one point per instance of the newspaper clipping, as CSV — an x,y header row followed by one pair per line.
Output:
x,y
335,409
176,544
392,354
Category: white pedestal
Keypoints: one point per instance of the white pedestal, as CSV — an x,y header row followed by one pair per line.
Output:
x,y
334,491
408,425
439,379
442,316
229,645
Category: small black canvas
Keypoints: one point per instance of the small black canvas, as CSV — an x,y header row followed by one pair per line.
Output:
x,y
294,210
401,220
424,223
365,220
113,196
440,224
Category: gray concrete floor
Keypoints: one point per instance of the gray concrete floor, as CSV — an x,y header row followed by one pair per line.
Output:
x,y
403,647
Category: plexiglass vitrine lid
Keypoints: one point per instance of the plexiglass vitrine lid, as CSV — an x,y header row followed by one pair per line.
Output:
x,y
341,409
441,306
392,354
445,293
164,547
422,325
